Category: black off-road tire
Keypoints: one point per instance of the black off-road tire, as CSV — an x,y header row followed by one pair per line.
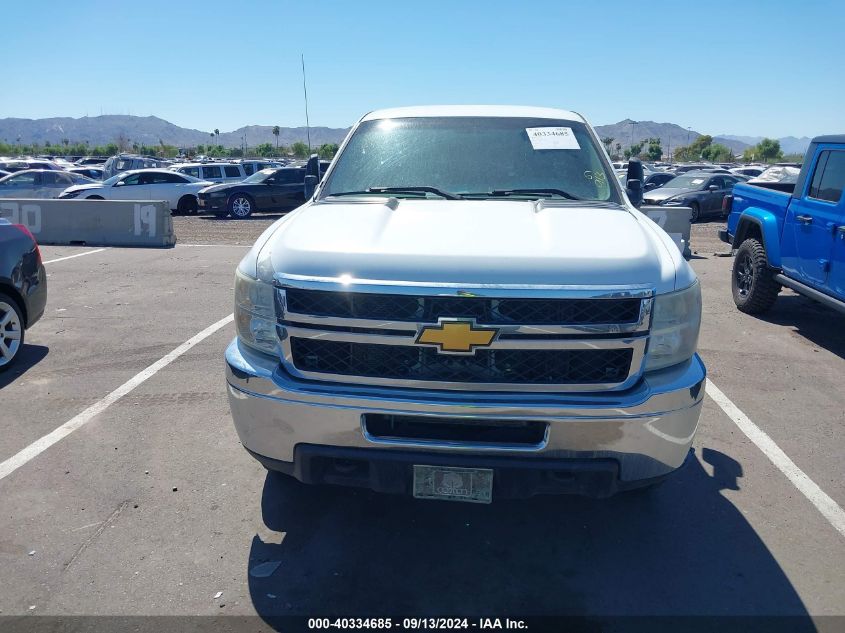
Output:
x,y
95,198
753,284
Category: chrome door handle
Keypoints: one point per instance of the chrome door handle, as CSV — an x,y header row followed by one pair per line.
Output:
x,y
804,219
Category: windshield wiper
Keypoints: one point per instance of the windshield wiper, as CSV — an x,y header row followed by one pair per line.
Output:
x,y
529,192
438,192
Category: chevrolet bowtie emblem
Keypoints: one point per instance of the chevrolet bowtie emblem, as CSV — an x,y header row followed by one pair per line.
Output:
x,y
457,337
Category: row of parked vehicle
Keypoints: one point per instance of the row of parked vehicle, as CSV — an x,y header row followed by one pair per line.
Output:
x,y
238,189
700,187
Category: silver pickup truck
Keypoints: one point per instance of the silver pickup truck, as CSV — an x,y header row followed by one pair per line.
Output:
x,y
468,307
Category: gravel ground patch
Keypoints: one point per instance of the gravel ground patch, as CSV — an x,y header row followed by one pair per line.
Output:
x,y
202,229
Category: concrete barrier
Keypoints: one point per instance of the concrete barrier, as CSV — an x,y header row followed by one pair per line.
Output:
x,y
93,222
675,221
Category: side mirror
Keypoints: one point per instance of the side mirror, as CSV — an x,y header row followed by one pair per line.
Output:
x,y
634,186
712,188
649,186
310,186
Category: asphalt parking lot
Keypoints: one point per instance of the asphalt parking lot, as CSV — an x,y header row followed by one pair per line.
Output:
x,y
150,506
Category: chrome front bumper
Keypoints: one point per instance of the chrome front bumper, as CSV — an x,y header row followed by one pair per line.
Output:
x,y
647,429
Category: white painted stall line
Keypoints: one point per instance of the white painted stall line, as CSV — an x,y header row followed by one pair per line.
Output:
x,y
818,497
40,445
61,259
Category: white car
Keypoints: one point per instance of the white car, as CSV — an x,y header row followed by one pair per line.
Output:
x,y
179,190
39,183
214,172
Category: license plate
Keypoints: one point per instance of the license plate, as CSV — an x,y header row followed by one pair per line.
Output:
x,y
474,485
202,203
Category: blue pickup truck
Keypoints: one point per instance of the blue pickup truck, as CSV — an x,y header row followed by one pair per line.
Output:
x,y
791,235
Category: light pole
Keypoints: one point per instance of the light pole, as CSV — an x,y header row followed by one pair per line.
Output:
x,y
633,123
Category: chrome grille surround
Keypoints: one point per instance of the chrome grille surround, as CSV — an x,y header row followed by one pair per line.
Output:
x,y
514,336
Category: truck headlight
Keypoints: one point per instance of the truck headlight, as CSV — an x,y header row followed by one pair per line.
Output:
x,y
675,321
255,313
672,202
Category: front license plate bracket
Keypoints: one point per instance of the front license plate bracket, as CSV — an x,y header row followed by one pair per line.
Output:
x,y
452,483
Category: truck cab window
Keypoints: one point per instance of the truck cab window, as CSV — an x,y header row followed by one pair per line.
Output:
x,y
829,179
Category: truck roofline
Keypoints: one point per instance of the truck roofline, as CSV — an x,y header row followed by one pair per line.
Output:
x,y
527,112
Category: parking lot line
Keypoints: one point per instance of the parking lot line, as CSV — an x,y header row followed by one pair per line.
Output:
x,y
61,259
818,497
42,444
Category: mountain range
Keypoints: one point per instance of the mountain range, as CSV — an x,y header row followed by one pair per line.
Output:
x,y
150,130
789,144
101,130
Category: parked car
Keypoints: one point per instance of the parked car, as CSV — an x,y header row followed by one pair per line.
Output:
x,y
749,170
23,288
252,166
94,173
699,190
656,179
39,183
267,190
778,178
91,160
791,235
386,331
179,190
126,162
682,169
22,164
212,172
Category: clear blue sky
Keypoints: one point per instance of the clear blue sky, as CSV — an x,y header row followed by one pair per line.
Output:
x,y
740,67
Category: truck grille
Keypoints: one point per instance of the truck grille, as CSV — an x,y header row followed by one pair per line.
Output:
x,y
503,366
427,309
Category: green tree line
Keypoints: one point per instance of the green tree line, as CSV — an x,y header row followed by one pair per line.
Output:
x,y
67,148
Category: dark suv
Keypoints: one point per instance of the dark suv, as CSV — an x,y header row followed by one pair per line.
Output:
x,y
23,288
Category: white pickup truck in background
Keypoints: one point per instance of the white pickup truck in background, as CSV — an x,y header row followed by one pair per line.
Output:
x,y
468,307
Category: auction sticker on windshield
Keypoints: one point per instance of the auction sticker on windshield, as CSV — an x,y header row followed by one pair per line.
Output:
x,y
552,138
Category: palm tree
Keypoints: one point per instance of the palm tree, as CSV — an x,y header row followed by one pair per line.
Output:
x,y
217,132
607,141
276,132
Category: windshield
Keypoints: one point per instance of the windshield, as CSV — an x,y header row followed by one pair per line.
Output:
x,y
259,176
113,179
685,182
473,156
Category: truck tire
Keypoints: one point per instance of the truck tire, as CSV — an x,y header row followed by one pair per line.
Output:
x,y
11,331
752,281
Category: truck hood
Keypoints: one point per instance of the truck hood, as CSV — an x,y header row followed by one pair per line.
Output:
x,y
474,243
